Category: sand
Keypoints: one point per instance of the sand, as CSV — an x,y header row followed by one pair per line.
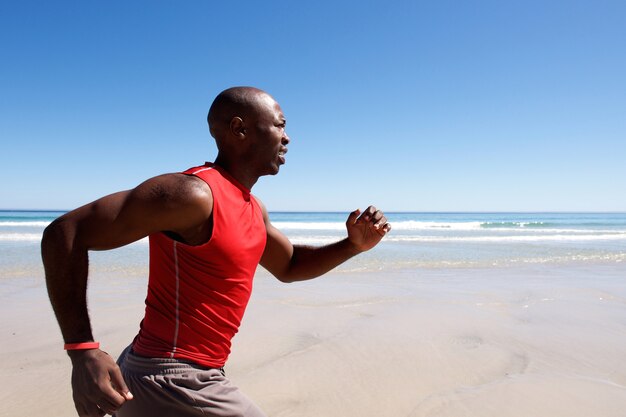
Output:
x,y
538,340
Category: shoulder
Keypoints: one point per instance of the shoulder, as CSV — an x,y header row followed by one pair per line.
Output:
x,y
176,191
175,186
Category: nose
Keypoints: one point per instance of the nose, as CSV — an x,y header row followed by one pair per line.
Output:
x,y
285,140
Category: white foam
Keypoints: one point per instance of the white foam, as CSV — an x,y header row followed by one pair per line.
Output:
x,y
20,237
417,225
548,230
412,225
36,237
403,225
24,224
309,226
313,240
524,238
323,240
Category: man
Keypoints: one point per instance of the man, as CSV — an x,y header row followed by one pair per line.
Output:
x,y
207,236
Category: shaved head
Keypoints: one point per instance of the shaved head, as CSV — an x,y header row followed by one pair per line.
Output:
x,y
233,102
249,130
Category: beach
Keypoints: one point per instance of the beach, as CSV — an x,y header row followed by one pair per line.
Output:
x,y
447,317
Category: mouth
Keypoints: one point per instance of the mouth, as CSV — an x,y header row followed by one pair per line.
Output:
x,y
281,155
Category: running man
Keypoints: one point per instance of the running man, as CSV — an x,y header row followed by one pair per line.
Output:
x,y
207,235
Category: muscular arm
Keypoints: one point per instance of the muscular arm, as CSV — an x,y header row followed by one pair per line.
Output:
x,y
291,263
173,202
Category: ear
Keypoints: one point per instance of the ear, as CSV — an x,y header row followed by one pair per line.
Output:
x,y
238,127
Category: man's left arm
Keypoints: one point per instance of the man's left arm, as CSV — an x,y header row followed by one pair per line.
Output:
x,y
291,263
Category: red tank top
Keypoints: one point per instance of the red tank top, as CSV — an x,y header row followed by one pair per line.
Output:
x,y
197,295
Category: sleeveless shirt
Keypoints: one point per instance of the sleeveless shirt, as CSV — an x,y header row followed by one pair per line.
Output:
x,y
197,295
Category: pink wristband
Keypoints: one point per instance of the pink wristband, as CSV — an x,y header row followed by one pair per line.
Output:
x,y
81,346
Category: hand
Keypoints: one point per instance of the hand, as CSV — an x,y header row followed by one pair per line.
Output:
x,y
367,229
97,383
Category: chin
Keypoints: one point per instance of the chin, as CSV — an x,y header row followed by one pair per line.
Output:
x,y
274,170
271,171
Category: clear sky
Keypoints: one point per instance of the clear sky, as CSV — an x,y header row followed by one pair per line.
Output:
x,y
414,106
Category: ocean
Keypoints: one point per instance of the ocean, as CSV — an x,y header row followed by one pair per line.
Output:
x,y
418,240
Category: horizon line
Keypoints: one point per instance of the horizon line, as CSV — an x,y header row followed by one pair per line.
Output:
x,y
392,211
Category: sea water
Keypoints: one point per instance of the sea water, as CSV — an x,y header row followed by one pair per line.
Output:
x,y
417,240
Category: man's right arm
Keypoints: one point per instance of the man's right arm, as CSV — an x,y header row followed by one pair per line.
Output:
x,y
173,202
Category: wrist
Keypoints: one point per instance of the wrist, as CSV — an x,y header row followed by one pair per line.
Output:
x,y
352,248
79,350
77,356
81,346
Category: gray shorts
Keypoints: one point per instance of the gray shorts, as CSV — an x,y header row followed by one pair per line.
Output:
x,y
173,388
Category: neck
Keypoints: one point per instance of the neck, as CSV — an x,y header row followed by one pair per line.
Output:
x,y
237,171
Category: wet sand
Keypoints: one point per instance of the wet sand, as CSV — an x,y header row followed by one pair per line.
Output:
x,y
537,340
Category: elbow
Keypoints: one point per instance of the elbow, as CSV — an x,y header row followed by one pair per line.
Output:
x,y
285,278
51,248
51,234
58,234
295,276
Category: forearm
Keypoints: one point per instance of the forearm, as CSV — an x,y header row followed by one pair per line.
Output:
x,y
310,262
66,268
97,384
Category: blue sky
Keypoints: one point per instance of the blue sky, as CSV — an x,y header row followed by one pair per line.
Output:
x,y
414,106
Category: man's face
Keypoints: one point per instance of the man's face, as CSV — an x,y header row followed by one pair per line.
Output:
x,y
268,137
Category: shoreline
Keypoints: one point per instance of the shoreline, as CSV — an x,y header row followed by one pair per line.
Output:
x,y
512,341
